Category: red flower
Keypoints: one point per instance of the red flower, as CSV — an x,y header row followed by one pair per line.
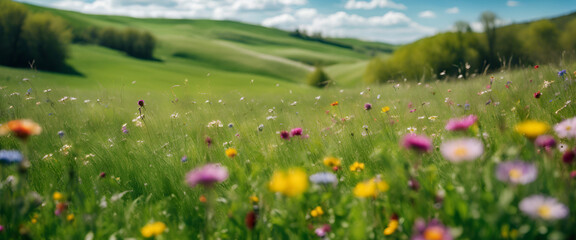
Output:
x,y
537,94
536,67
251,220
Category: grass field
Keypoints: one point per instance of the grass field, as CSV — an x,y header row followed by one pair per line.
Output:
x,y
96,179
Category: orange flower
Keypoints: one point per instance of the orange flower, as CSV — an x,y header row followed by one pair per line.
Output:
x,y
22,128
335,103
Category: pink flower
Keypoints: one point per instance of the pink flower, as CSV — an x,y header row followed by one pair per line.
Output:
x,y
417,142
296,132
207,175
461,124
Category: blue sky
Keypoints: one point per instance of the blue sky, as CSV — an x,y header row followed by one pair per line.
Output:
x,y
394,21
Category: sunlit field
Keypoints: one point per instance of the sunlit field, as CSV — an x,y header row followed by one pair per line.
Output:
x,y
489,157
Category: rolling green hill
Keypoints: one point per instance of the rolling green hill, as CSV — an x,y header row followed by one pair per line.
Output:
x,y
224,55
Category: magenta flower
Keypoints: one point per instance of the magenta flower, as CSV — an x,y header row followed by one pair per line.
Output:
x,y
417,142
367,106
296,132
433,230
516,172
568,156
461,124
545,141
322,231
285,135
207,175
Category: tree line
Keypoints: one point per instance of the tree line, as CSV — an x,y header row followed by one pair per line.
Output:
x,y
41,40
464,52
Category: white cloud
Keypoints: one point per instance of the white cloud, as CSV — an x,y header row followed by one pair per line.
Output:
x,y
427,14
306,13
280,20
393,27
354,4
511,3
453,10
215,9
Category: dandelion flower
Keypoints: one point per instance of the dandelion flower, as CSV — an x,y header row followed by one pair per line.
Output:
x,y
370,188
417,142
464,149
532,129
461,124
207,175
357,167
566,128
22,128
385,109
516,172
316,212
57,196
153,229
289,183
547,208
392,225
332,162
231,152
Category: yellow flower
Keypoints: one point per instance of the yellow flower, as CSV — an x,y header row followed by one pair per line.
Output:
x,y
333,104
70,217
153,229
357,167
332,162
392,226
370,188
21,128
57,196
532,129
385,109
231,152
254,199
317,212
291,183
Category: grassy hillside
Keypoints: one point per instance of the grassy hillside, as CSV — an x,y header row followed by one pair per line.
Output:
x,y
194,48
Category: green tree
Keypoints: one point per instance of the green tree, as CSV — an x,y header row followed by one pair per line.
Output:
x,y
568,38
488,20
46,40
541,39
318,78
12,17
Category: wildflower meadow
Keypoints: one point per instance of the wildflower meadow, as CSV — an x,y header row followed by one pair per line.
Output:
x,y
489,157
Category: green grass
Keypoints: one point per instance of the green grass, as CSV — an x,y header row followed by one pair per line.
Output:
x,y
145,164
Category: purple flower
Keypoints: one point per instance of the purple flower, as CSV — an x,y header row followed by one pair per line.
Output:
x,y
61,134
516,172
285,135
461,123
208,141
433,230
568,156
207,175
1,228
547,208
545,141
184,159
417,142
324,178
10,156
141,103
321,231
562,73
367,106
296,132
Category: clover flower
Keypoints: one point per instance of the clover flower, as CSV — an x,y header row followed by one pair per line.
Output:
x,y
461,124
419,143
207,175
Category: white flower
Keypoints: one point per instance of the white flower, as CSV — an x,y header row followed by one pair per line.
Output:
x,y
566,128
547,208
411,129
215,123
463,149
432,118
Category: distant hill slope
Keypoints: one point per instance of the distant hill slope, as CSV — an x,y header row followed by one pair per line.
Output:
x,y
227,46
